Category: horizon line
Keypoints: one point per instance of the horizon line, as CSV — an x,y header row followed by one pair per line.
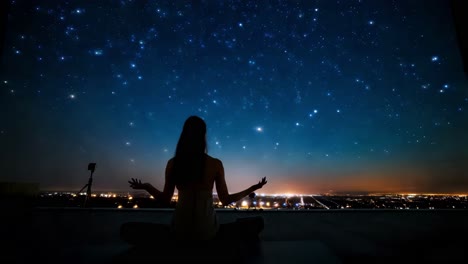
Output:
x,y
290,194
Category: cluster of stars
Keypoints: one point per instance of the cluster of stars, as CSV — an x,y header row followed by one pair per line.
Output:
x,y
325,80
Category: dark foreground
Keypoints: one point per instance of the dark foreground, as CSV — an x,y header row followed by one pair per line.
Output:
x,y
64,235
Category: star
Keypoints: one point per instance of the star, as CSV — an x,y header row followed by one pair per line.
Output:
x,y
256,80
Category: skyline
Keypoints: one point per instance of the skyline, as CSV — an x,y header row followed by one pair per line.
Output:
x,y
318,96
140,193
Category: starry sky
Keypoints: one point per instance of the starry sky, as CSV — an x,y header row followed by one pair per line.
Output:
x,y
318,96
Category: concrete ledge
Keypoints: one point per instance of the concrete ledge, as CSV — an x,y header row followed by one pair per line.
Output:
x,y
381,236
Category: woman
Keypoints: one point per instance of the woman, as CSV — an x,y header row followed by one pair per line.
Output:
x,y
194,173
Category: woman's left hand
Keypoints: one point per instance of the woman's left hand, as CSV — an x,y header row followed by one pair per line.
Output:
x,y
261,183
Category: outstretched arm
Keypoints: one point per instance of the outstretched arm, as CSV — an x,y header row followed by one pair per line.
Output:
x,y
165,196
222,190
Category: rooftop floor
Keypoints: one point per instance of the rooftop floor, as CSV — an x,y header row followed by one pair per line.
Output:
x,y
64,235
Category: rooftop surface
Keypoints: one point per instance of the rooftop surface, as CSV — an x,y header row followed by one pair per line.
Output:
x,y
67,235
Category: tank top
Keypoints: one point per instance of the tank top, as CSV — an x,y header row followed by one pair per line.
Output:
x,y
194,217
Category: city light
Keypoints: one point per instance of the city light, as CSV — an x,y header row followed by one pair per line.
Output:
x,y
284,201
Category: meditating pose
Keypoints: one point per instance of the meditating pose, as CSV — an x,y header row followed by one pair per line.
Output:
x,y
194,173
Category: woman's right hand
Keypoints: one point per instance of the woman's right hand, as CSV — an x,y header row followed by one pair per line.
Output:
x,y
260,183
137,184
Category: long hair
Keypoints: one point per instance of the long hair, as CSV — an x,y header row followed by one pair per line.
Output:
x,y
189,160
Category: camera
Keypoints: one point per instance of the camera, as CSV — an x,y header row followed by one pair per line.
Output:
x,y
91,167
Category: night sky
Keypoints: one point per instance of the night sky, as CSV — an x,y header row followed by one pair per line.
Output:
x,y
318,96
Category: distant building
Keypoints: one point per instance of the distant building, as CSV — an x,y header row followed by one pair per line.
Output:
x,y
18,194
19,189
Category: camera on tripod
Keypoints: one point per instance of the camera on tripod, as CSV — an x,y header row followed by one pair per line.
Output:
x,y
92,168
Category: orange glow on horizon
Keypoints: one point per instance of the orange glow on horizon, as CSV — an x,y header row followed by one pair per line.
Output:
x,y
401,182
398,179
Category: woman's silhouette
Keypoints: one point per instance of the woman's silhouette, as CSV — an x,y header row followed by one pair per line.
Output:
x,y
193,173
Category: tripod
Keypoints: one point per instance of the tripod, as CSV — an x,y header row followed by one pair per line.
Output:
x,y
91,167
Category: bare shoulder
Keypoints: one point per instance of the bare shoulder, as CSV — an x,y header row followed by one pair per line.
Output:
x,y
214,161
170,162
